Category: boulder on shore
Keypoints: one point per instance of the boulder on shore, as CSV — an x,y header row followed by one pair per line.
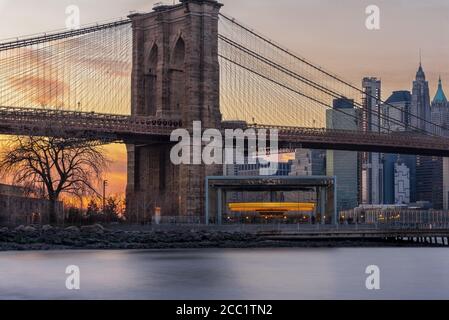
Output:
x,y
95,228
47,228
27,229
72,229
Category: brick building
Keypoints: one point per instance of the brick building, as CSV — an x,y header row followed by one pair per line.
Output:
x,y
16,208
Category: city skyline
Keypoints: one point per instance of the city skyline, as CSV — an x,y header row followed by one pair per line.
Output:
x,y
331,41
224,149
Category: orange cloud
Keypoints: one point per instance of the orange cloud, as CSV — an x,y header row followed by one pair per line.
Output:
x,y
40,90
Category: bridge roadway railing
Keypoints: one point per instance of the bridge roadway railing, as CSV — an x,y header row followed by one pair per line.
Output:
x,y
60,123
399,139
52,122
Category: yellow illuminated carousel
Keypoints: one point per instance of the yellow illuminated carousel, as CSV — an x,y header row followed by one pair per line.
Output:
x,y
271,211
272,207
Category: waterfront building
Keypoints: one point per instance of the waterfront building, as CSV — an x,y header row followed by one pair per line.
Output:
x,y
414,214
261,199
19,208
253,170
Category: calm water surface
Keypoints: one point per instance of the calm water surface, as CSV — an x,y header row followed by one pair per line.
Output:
x,y
412,273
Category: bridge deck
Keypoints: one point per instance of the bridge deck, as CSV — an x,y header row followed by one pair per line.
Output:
x,y
132,129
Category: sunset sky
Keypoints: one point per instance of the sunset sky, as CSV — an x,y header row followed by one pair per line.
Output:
x,y
331,33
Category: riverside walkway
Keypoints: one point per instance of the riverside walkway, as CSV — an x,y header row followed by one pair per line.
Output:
x,y
431,236
421,234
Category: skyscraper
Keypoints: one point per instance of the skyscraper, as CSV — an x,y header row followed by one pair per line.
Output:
x,y
395,181
429,170
302,164
309,163
397,110
401,183
439,111
440,97
432,184
440,117
429,180
372,168
343,164
420,106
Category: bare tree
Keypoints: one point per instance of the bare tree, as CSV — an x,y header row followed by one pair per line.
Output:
x,y
54,166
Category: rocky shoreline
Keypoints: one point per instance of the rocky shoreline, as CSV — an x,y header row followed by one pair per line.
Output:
x,y
98,237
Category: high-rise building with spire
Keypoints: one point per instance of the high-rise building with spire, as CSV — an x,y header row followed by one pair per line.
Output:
x,y
440,97
440,111
431,184
440,118
420,106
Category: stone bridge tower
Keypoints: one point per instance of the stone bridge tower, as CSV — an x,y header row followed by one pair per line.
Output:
x,y
175,76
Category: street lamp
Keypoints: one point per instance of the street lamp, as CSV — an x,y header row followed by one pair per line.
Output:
x,y
105,184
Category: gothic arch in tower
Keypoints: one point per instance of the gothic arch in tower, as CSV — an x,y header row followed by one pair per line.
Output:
x,y
178,77
150,81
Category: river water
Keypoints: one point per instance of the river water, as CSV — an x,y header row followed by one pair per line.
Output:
x,y
405,273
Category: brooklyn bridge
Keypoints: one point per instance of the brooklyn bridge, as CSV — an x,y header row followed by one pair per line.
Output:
x,y
137,79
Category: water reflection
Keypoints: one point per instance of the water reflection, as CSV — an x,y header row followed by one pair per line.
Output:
x,y
413,273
